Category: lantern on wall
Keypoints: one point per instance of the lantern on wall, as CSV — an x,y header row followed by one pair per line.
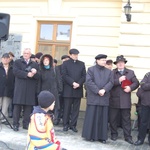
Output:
x,y
127,11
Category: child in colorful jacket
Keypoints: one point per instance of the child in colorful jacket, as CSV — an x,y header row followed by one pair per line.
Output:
x,y
41,135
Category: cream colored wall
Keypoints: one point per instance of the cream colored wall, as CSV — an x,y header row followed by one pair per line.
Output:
x,y
22,18
98,27
134,40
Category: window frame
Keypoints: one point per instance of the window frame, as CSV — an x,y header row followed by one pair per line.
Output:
x,y
54,42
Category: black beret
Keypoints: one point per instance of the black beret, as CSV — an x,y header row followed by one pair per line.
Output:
x,y
32,56
64,56
73,51
109,61
55,61
45,99
100,56
5,55
38,55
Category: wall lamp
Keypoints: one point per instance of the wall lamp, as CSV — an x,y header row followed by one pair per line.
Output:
x,y
127,11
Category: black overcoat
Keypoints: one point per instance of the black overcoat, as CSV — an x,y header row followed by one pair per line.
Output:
x,y
6,81
25,87
73,71
50,79
98,78
145,90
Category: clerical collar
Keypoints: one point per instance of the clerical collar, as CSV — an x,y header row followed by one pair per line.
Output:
x,y
73,60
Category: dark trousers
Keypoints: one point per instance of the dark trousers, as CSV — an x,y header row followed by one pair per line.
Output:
x,y
10,109
27,109
58,113
71,111
125,120
61,106
145,117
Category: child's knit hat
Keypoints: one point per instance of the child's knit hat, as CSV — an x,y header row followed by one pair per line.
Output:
x,y
45,99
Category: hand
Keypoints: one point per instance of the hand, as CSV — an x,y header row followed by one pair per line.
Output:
x,y
127,89
33,70
30,74
101,92
122,78
75,85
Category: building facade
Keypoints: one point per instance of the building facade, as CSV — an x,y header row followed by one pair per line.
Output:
x,y
92,26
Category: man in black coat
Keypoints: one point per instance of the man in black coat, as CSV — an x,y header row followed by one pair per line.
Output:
x,y
7,80
73,76
26,76
144,95
125,82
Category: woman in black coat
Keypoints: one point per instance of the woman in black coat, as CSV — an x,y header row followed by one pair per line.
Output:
x,y
50,80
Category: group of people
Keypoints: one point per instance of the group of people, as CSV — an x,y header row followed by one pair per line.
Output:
x,y
108,93
109,101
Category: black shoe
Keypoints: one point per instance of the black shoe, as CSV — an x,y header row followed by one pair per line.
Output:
x,y
25,127
56,122
129,140
138,142
15,128
10,116
91,140
114,138
103,141
65,128
74,129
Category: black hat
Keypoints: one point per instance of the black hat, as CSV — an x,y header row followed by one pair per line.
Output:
x,y
64,56
73,51
38,55
100,56
5,55
109,62
45,99
120,58
55,61
32,56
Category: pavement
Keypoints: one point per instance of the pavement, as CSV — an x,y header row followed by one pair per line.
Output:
x,y
11,140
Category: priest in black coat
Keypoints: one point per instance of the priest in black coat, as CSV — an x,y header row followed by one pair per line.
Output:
x,y
99,81
73,72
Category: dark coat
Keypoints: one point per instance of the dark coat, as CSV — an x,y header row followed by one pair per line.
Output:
x,y
25,87
98,78
73,72
50,79
119,98
144,91
6,82
60,69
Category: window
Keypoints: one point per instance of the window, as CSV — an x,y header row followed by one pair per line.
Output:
x,y
54,38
